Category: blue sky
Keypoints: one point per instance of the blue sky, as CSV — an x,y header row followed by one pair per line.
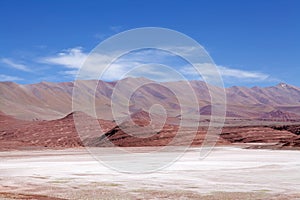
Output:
x,y
252,42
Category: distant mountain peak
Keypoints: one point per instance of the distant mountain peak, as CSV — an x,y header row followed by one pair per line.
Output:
x,y
283,85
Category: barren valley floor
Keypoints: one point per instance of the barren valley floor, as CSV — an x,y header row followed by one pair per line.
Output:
x,y
227,173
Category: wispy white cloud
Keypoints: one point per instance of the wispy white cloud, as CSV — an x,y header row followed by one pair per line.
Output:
x,y
209,70
137,65
4,77
15,65
74,58
237,73
156,72
70,58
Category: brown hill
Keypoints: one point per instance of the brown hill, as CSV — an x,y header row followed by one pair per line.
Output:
x,y
278,115
60,133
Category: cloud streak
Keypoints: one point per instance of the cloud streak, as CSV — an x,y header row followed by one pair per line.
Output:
x,y
4,77
70,58
209,70
237,73
15,65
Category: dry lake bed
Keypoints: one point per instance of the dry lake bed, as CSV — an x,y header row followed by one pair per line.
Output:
x,y
226,173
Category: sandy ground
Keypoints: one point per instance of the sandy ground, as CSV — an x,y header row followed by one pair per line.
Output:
x,y
227,173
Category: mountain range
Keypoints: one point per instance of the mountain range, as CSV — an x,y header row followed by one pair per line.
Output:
x,y
41,115
48,101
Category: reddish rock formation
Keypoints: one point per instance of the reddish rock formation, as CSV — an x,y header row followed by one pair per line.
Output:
x,y
61,133
259,134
